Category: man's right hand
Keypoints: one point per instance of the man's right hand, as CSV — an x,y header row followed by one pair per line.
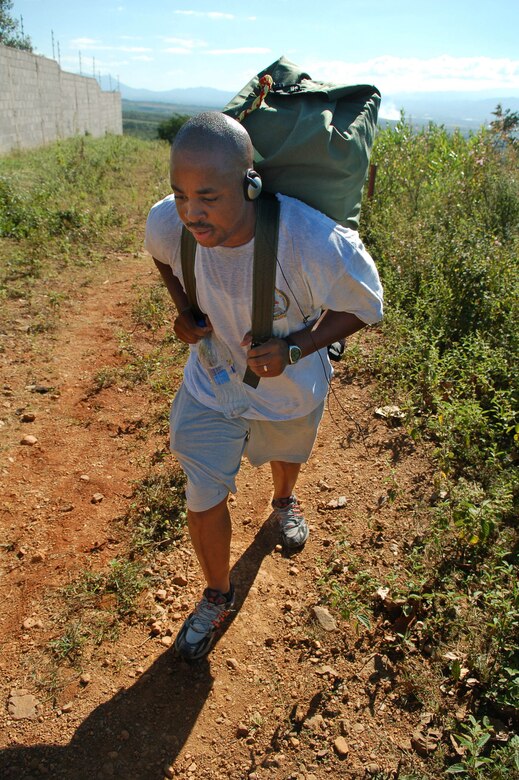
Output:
x,y
187,330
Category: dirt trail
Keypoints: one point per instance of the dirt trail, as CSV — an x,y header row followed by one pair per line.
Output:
x,y
279,696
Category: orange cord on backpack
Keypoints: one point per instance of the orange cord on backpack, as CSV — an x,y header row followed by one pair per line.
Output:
x,y
266,83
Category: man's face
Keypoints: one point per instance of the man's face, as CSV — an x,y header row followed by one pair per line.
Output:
x,y
210,200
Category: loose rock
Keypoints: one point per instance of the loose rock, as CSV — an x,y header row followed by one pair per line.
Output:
x,y
326,671
29,440
337,503
41,389
97,498
23,705
341,747
393,413
315,723
31,622
322,485
324,618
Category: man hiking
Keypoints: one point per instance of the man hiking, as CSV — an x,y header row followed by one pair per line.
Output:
x,y
326,288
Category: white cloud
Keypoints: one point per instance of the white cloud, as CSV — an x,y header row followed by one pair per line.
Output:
x,y
84,43
90,44
438,74
389,111
207,14
142,58
185,43
177,50
243,50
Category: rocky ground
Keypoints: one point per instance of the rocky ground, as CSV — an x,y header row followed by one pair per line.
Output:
x,y
305,683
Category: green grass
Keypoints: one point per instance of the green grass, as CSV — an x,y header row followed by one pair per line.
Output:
x,y
73,202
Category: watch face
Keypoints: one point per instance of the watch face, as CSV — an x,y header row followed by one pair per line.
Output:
x,y
294,353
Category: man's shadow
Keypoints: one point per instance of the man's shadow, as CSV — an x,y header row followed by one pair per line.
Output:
x,y
143,728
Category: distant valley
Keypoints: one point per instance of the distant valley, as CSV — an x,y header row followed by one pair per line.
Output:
x,y
465,111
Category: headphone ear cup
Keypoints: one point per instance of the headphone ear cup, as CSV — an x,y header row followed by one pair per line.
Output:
x,y
252,185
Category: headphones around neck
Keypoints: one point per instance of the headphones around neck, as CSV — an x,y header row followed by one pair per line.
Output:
x,y
252,185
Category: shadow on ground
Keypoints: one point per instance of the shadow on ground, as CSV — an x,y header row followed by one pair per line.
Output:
x,y
143,728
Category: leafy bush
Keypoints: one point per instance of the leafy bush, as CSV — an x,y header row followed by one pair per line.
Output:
x,y
450,271
168,129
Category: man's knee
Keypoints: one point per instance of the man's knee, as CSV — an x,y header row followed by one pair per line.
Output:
x,y
206,516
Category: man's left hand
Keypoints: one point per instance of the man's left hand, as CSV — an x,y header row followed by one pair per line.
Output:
x,y
267,359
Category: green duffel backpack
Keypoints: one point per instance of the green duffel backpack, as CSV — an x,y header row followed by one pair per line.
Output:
x,y
312,139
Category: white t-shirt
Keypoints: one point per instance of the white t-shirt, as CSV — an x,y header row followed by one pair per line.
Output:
x,y
321,265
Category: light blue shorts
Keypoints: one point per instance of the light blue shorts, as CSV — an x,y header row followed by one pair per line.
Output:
x,y
209,447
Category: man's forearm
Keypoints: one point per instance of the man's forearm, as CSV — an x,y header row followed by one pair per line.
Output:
x,y
173,285
330,327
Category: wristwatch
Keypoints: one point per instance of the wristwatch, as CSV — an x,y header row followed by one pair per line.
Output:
x,y
294,352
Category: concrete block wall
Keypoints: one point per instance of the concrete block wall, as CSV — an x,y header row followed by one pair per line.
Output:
x,y
40,103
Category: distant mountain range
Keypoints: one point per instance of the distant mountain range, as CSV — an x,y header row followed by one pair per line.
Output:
x,y
195,96
449,109
467,111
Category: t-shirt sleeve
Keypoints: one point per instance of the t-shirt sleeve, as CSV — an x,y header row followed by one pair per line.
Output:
x,y
355,285
163,231
339,272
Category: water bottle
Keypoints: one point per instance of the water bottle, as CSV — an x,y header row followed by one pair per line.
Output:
x,y
226,383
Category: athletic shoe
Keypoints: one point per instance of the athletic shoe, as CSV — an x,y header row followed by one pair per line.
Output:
x,y
294,530
197,635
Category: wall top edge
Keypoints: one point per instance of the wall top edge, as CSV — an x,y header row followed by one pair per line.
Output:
x,y
10,52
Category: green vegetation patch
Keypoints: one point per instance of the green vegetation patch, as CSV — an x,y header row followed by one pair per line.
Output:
x,y
73,202
443,229
157,513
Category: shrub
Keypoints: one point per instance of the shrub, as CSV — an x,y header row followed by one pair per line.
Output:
x,y
168,129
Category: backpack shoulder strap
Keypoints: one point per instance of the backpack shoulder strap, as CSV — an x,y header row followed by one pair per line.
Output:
x,y
263,277
264,274
187,256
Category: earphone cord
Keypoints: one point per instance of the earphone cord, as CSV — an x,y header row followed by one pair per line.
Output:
x,y
331,389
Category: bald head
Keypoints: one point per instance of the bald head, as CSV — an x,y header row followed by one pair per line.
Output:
x,y
216,134
210,157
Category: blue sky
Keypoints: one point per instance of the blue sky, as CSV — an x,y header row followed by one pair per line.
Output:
x,y
402,46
